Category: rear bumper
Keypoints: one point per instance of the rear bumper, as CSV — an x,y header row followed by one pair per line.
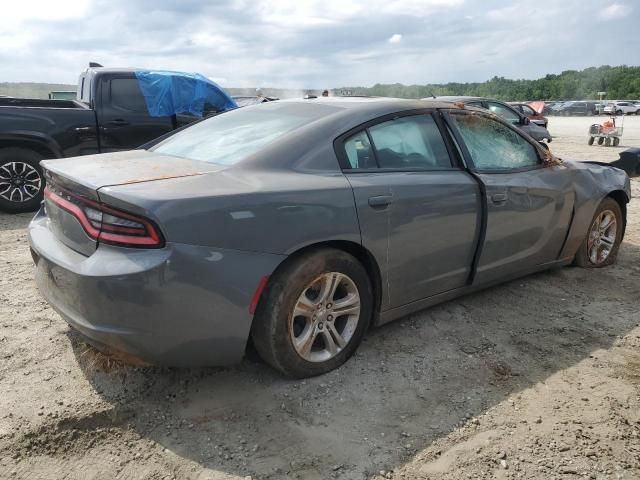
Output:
x,y
182,305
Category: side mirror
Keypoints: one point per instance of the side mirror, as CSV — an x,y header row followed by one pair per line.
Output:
x,y
525,121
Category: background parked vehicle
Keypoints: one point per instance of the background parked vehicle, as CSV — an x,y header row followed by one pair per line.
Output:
x,y
110,114
530,113
382,208
577,108
507,112
622,108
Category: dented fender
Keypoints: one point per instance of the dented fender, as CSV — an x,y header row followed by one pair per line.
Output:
x,y
593,182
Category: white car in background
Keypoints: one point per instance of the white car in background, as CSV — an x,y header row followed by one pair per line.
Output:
x,y
622,108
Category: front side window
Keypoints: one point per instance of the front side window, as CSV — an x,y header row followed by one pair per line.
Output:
x,y
505,112
528,110
494,146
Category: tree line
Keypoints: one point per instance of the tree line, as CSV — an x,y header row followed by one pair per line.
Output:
x,y
620,82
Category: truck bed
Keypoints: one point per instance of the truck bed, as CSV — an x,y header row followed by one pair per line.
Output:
x,y
39,103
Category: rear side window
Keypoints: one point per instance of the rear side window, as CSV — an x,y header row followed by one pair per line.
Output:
x,y
126,95
403,143
494,146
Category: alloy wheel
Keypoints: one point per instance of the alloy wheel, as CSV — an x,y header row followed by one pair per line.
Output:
x,y
19,182
325,317
602,237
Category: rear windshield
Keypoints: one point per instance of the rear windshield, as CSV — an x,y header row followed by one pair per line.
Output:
x,y
231,137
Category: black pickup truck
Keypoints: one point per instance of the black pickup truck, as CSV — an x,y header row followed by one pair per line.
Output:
x,y
109,114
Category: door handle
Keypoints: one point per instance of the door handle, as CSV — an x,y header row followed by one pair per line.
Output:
x,y
499,197
380,200
118,122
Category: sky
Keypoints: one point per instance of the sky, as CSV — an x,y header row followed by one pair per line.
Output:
x,y
317,44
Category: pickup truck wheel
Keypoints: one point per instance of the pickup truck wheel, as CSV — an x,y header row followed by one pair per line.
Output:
x,y
21,180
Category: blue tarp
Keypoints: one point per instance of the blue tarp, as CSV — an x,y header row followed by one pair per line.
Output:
x,y
168,93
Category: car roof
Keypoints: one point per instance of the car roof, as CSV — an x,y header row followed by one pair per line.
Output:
x,y
369,103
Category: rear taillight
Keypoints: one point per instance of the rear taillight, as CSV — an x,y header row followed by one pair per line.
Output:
x,y
106,224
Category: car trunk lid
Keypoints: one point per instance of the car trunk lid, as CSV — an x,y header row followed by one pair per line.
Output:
x,y
72,200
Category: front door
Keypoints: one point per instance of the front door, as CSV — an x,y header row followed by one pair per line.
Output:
x,y
528,205
419,213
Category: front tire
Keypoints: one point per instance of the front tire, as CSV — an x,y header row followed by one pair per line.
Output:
x,y
21,180
313,314
600,247
590,141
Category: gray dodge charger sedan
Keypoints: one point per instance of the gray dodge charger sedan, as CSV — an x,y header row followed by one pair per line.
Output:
x,y
297,225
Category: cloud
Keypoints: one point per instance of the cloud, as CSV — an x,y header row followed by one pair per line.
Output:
x,y
19,11
313,44
615,11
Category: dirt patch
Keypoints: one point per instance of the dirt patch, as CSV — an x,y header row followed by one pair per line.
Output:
x,y
536,378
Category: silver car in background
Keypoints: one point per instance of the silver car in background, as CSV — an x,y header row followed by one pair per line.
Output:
x,y
297,225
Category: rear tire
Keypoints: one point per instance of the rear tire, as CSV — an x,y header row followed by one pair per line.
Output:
x,y
585,256
21,180
616,141
600,140
607,142
293,308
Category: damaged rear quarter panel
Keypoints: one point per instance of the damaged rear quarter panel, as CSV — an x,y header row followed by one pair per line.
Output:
x,y
593,182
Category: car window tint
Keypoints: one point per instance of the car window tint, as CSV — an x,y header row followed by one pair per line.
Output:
x,y
494,146
126,95
505,112
359,151
409,142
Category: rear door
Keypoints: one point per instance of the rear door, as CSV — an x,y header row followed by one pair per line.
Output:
x,y
528,205
123,118
419,212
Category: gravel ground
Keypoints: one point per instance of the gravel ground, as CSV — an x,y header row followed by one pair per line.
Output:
x,y
537,378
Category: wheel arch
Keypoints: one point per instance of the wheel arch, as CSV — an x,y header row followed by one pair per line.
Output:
x,y
620,196
359,252
32,145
